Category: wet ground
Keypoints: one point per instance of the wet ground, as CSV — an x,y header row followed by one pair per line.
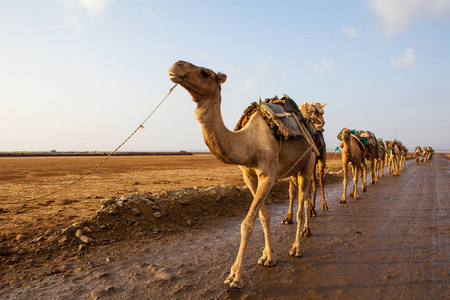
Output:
x,y
392,244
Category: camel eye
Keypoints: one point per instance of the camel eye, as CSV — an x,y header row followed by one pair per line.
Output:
x,y
204,73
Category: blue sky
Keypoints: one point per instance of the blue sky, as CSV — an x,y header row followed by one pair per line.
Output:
x,y
82,75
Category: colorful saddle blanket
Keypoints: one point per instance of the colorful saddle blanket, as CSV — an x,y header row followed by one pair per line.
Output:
x,y
280,115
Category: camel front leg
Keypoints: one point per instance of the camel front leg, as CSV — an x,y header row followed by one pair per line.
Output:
x,y
321,176
363,170
355,170
345,181
265,184
268,258
313,212
293,188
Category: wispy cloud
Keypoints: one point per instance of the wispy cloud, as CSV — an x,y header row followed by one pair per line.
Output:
x,y
72,22
93,6
326,66
350,31
397,15
406,60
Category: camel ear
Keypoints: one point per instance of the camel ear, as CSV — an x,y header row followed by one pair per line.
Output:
x,y
221,78
323,105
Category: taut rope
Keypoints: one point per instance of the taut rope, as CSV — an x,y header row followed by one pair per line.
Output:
x,y
88,172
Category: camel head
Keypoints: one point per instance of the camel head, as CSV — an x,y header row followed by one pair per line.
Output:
x,y
201,83
344,134
388,145
314,112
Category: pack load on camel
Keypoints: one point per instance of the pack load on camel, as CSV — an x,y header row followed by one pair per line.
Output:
x,y
284,117
354,134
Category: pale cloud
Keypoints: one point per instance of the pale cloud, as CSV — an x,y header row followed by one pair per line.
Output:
x,y
72,21
350,31
93,6
326,66
397,15
407,60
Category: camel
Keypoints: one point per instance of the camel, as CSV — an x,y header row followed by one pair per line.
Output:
x,y
371,154
262,158
393,149
314,113
417,152
381,157
403,155
353,153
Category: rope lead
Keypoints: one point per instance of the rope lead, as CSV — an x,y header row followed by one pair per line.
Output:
x,y
88,172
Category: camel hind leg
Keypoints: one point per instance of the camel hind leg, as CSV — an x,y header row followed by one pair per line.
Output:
x,y
303,207
293,194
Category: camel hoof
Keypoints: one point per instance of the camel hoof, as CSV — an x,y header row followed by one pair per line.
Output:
x,y
325,207
364,189
342,201
306,232
287,221
295,252
356,197
313,213
266,261
233,283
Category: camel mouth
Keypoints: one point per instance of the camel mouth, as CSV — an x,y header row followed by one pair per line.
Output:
x,y
176,77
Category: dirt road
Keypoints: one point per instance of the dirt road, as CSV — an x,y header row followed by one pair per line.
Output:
x,y
392,244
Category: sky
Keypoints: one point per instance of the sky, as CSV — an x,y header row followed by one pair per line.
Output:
x,y
81,75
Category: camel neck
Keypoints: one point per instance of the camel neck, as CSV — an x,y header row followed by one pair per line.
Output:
x,y
228,146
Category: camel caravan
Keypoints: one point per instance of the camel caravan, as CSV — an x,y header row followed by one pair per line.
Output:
x,y
276,139
424,155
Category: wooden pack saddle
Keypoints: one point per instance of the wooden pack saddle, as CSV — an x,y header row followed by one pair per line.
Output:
x,y
280,114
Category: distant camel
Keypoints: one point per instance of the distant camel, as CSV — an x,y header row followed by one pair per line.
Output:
x,y
394,156
353,153
381,157
403,155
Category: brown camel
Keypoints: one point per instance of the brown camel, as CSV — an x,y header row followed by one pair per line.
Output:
x,y
314,113
371,154
353,153
403,155
381,158
394,151
262,158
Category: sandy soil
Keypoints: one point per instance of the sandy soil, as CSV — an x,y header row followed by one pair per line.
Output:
x,y
393,243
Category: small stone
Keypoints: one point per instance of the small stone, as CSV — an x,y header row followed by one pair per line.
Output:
x,y
189,223
82,247
113,212
163,275
79,233
52,248
136,211
107,201
69,230
21,238
102,226
21,251
50,231
86,239
157,215
109,259
5,250
183,271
